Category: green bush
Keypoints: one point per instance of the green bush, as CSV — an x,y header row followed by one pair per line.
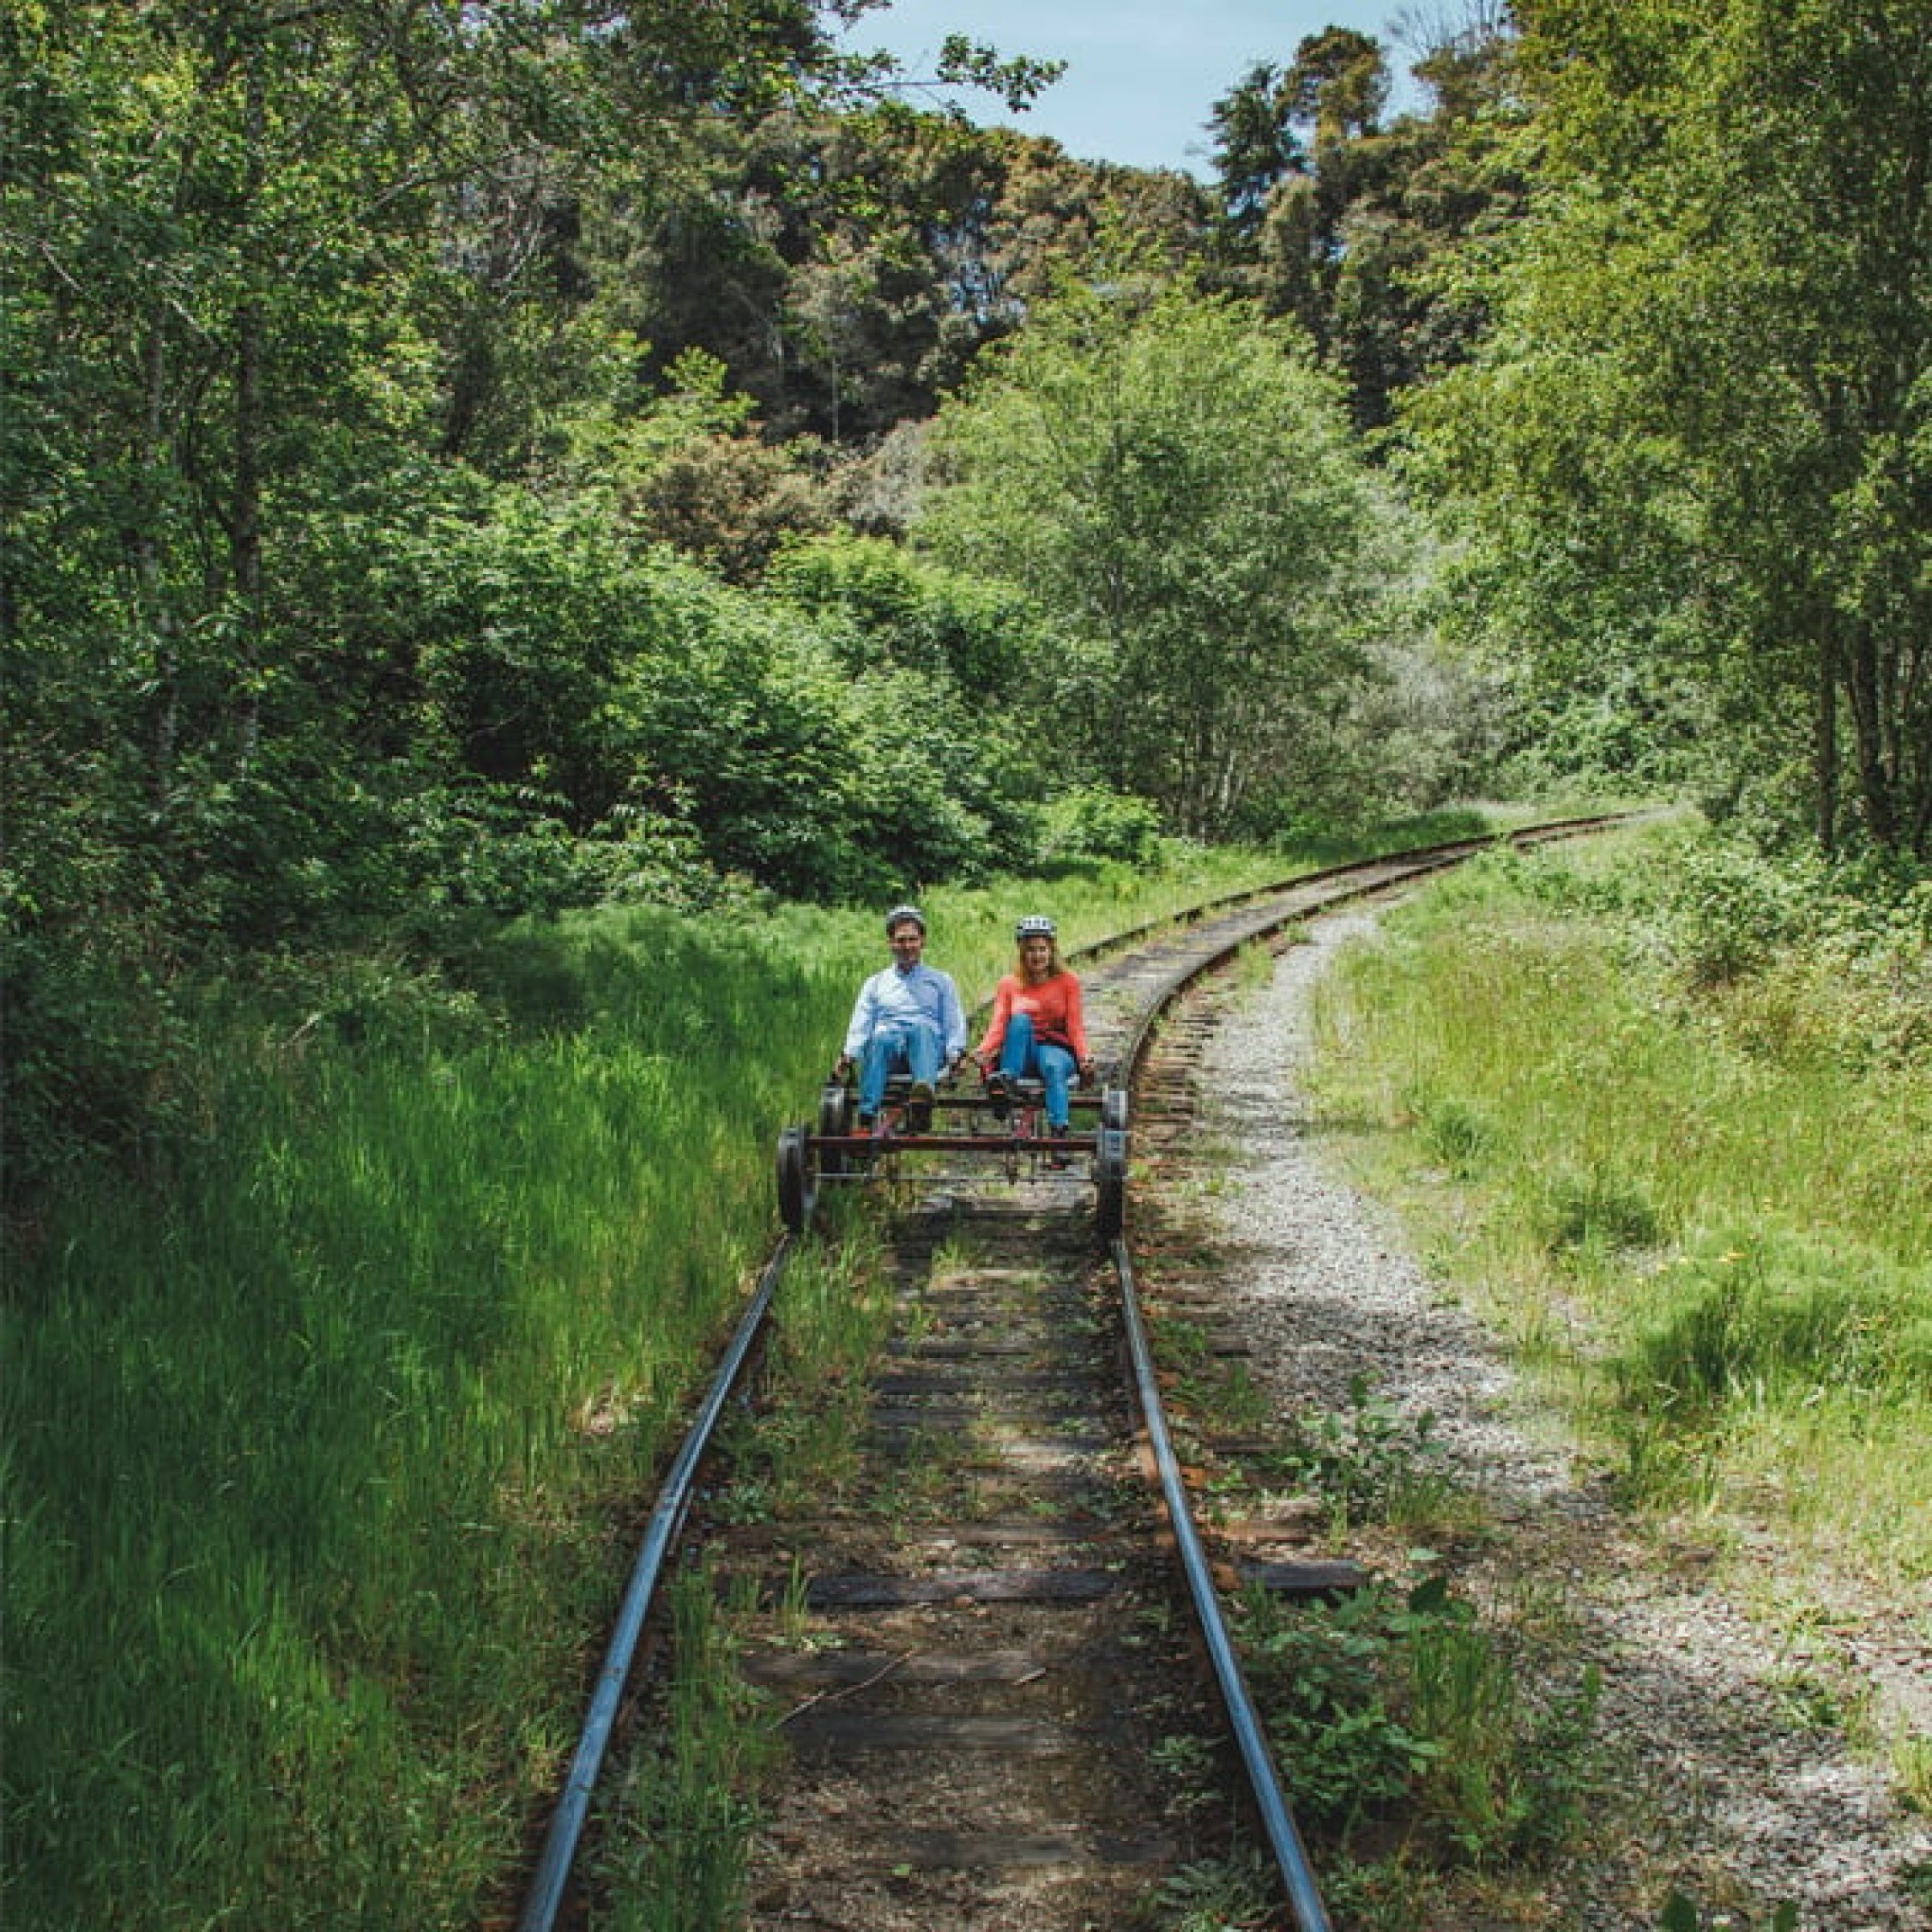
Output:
x,y
904,609
1091,822
1750,1317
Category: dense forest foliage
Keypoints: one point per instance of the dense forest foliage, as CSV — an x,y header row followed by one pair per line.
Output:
x,y
467,460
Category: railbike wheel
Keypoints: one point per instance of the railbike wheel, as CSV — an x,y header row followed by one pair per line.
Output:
x,y
835,1123
1110,1193
797,1193
1110,1164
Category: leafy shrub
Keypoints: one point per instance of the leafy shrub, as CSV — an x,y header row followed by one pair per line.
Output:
x,y
1324,1678
1388,1697
1091,822
1755,1316
1726,910
907,610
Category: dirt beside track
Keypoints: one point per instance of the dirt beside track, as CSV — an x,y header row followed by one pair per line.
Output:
x,y
1715,1786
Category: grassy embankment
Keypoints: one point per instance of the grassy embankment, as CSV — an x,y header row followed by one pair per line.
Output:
x,y
323,1461
1666,1116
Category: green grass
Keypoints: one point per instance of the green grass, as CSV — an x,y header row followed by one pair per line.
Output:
x,y
1704,1204
322,1453
675,1846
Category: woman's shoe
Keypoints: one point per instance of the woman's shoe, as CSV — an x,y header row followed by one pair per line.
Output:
x,y
998,1094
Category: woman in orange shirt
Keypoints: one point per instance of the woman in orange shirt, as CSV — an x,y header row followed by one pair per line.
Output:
x,y
1037,1030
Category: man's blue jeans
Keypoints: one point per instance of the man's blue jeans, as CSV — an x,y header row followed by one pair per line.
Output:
x,y
1021,1057
891,1050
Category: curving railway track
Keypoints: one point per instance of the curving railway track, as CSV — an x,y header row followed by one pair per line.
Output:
x,y
1010,1700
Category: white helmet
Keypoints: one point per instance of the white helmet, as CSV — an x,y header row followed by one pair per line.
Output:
x,y
1035,925
900,914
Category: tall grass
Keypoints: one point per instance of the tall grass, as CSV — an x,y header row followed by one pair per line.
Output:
x,y
322,1462
1704,1197
315,1460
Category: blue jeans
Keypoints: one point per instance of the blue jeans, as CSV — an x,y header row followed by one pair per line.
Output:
x,y
889,1052
1022,1057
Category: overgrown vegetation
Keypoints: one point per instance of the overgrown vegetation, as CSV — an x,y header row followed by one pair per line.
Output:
x,y
298,1639
1431,1749
470,538
1660,1109
1685,1096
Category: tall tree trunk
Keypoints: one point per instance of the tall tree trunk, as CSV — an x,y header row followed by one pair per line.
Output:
x,y
1824,760
245,520
1864,688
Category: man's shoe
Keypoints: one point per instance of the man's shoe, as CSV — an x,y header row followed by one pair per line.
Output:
x,y
998,1096
918,1106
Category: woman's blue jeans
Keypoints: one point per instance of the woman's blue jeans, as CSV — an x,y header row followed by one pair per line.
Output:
x,y
1022,1057
892,1050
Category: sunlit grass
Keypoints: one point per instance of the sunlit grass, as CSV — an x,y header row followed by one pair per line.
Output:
x,y
1718,1238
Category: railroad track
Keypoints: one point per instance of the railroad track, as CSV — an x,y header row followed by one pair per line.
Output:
x,y
1008,1699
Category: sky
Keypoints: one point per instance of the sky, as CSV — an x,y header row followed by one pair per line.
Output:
x,y
1142,76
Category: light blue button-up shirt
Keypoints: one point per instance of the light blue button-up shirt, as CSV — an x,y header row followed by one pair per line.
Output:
x,y
896,1001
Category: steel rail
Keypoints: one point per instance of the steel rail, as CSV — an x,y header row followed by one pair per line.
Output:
x,y
1264,1776
545,1898
545,1895
1264,1779
1421,858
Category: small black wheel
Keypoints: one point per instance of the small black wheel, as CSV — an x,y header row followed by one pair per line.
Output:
x,y
1110,1195
798,1194
835,1123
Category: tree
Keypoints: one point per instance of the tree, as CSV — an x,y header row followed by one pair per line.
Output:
x,y
1346,224
1172,480
1255,147
1711,385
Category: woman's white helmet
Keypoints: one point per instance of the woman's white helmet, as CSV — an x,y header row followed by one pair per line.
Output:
x,y
1035,925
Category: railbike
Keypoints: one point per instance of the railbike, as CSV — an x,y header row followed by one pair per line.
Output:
x,y
1004,1128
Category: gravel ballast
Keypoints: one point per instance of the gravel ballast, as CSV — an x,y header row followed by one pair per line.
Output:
x,y
1735,1796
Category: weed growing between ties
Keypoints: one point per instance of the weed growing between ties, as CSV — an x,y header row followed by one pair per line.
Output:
x,y
1214,1894
676,1839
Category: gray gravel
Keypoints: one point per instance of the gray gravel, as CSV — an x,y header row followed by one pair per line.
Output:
x,y
1740,1788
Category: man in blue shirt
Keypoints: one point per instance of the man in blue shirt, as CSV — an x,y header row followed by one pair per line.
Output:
x,y
907,1018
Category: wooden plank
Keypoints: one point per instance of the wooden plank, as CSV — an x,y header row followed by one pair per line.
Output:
x,y
1304,1579
828,1730
956,1586
806,1669
1083,1379
930,1850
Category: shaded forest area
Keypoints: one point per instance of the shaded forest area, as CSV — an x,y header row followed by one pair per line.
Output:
x,y
465,460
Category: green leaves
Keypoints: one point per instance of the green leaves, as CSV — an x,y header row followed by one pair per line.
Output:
x,y
1695,445
1168,479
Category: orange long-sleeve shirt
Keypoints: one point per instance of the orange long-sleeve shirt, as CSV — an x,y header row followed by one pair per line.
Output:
x,y
1053,1006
